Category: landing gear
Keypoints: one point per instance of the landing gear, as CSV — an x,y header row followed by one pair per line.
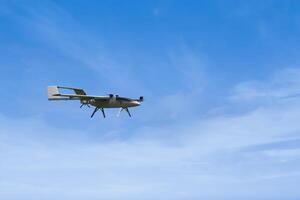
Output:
x,y
128,112
121,109
103,112
96,109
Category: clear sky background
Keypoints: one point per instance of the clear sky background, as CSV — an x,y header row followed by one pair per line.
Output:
x,y
221,81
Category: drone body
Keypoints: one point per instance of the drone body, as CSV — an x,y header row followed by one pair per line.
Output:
x,y
99,102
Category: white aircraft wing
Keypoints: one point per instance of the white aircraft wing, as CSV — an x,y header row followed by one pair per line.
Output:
x,y
54,94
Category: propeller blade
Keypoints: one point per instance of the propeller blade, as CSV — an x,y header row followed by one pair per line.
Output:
x,y
85,104
121,109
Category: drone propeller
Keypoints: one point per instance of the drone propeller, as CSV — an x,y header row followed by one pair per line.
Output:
x,y
85,104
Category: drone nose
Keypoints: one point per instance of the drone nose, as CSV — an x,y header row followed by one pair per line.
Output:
x,y
136,103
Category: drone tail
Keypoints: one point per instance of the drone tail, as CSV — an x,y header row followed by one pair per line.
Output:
x,y
53,93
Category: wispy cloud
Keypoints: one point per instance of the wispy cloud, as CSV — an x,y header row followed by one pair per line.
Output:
x,y
240,155
283,84
53,26
178,154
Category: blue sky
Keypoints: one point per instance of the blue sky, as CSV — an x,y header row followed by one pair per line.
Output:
x,y
221,113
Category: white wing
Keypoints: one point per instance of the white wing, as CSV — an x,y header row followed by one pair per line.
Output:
x,y
54,94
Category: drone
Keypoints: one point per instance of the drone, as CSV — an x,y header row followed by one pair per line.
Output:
x,y
99,102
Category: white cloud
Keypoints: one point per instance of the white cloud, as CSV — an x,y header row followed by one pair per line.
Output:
x,y
283,84
216,158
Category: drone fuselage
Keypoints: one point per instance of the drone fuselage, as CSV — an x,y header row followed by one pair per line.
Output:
x,y
99,102
114,103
